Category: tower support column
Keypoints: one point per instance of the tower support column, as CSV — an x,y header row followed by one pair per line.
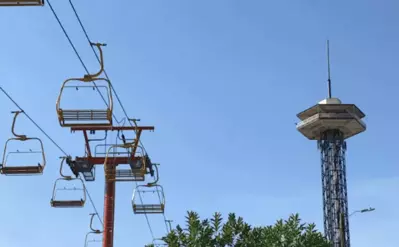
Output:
x,y
109,208
335,197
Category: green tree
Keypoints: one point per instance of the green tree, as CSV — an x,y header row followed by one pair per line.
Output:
x,y
237,233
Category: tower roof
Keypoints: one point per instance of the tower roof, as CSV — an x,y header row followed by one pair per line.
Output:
x,y
330,104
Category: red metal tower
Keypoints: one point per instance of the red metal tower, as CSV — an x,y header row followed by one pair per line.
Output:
x,y
139,166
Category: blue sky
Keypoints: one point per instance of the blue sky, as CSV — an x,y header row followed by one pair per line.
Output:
x,y
222,81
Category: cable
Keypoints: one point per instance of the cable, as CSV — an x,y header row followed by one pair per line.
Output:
x,y
148,221
26,114
141,200
52,140
159,196
116,94
92,203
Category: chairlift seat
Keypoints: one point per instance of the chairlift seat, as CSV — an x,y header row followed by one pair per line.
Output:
x,y
149,208
21,170
22,3
69,118
67,204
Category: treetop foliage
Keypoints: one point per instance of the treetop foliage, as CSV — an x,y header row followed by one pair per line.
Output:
x,y
235,232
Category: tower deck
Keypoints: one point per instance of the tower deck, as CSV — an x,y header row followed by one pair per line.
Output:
x,y
331,114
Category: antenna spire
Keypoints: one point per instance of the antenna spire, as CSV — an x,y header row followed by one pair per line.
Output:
x,y
328,62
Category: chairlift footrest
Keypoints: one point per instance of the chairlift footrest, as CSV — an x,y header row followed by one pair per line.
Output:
x,y
149,208
22,3
21,170
85,117
128,175
67,204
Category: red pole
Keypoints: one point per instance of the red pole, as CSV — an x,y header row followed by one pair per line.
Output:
x,y
109,210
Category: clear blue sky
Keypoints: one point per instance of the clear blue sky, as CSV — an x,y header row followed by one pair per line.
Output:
x,y
222,82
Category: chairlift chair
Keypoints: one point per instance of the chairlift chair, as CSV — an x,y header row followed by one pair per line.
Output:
x,y
61,203
86,117
142,208
93,232
21,170
4,3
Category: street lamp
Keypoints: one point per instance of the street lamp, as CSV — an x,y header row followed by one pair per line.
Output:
x,y
342,225
366,210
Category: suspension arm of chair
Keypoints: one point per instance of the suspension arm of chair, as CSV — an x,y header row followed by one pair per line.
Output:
x,y
91,224
90,77
157,176
20,137
61,166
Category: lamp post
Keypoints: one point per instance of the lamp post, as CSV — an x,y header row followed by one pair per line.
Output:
x,y
342,225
